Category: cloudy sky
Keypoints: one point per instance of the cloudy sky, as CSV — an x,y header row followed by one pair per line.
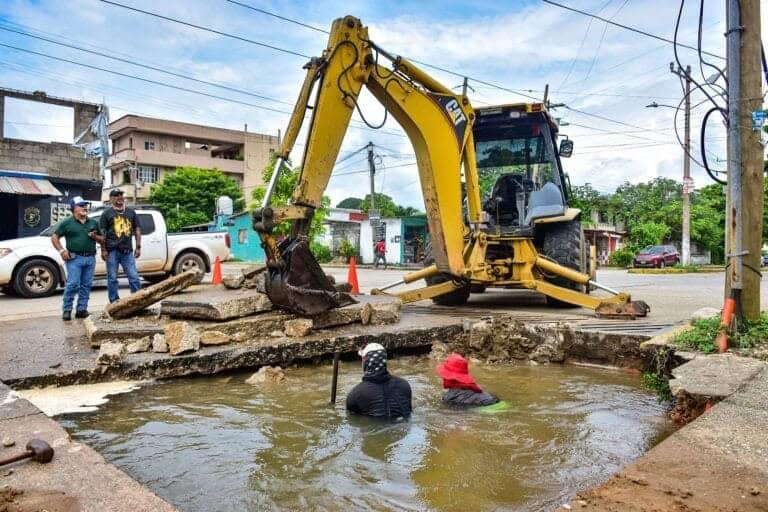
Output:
x,y
603,74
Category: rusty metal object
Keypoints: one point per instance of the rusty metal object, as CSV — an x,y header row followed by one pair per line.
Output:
x,y
300,285
37,450
634,309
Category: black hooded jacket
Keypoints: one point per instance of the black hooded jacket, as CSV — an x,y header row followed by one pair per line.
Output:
x,y
380,395
468,398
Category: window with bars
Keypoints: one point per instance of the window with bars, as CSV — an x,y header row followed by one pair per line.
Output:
x,y
149,174
149,145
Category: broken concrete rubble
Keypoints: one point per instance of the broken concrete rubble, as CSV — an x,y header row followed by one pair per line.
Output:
x,y
111,354
233,282
181,337
216,307
99,331
267,375
298,327
214,338
371,309
159,344
129,305
141,345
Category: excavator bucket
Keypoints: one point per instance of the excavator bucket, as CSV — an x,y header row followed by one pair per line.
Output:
x,y
300,285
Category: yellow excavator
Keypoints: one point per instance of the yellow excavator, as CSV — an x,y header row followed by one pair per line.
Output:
x,y
522,236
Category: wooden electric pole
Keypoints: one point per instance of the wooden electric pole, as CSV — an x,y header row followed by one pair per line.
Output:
x,y
751,99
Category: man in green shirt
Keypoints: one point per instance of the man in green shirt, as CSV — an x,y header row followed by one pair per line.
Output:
x,y
81,234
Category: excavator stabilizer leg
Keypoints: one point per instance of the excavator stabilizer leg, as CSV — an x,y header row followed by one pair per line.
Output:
x,y
299,284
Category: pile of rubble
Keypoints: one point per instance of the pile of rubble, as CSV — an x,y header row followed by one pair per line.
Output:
x,y
237,312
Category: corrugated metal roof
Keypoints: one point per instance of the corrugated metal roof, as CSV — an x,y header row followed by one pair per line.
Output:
x,y
27,186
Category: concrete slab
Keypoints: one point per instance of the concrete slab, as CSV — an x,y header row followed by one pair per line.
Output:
x,y
216,305
99,331
715,376
145,297
77,479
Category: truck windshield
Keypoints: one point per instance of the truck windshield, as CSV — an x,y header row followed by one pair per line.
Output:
x,y
521,150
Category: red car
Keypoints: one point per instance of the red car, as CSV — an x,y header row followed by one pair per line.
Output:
x,y
657,256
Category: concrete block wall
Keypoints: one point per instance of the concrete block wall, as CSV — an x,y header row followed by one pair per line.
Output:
x,y
56,159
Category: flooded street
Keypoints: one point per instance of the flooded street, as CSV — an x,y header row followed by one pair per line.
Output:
x,y
217,443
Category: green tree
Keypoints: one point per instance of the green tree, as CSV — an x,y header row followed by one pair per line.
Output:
x,y
284,188
388,208
352,203
648,233
188,195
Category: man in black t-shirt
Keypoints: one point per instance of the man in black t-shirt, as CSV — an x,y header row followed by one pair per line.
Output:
x,y
119,225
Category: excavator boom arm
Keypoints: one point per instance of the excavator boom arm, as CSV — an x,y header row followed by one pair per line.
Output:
x,y
437,122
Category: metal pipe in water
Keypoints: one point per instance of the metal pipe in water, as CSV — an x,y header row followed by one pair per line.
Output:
x,y
335,378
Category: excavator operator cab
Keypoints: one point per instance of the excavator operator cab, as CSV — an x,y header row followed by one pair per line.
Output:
x,y
519,170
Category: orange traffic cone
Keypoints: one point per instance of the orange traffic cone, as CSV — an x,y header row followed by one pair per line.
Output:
x,y
352,277
216,271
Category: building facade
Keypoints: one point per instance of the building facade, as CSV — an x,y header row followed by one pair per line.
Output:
x,y
37,179
342,224
405,239
145,149
606,237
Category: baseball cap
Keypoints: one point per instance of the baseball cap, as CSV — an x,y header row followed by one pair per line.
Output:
x,y
77,201
371,347
116,192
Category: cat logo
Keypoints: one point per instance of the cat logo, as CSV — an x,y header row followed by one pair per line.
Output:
x,y
456,113
122,227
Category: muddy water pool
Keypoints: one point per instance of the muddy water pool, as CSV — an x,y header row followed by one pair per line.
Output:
x,y
218,443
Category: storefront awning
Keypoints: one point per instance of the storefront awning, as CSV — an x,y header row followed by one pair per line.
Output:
x,y
27,186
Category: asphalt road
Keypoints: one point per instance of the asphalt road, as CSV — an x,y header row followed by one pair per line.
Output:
x,y
672,297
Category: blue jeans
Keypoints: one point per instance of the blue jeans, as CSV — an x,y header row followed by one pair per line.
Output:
x,y
128,262
79,281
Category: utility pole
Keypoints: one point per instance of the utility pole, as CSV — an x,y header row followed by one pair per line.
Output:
x,y
685,244
372,213
750,100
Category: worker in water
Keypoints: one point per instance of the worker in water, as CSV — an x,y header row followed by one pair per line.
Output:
x,y
461,388
380,394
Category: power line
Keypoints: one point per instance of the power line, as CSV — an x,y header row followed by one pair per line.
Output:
x,y
604,118
289,20
147,66
147,80
602,38
207,29
180,88
268,13
625,27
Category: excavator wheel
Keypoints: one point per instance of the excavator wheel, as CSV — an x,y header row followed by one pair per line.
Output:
x,y
564,243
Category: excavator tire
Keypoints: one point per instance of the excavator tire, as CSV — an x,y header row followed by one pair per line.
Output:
x,y
564,243
455,298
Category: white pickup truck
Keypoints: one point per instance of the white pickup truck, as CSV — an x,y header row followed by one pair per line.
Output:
x,y
31,267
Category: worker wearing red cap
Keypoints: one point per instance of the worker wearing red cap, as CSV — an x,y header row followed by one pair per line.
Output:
x,y
461,388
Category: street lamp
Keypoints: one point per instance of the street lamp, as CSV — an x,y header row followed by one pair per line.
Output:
x,y
685,243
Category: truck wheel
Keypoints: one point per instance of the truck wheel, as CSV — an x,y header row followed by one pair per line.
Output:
x,y
564,243
190,261
36,278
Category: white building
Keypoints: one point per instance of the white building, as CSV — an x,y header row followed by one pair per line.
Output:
x,y
400,235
